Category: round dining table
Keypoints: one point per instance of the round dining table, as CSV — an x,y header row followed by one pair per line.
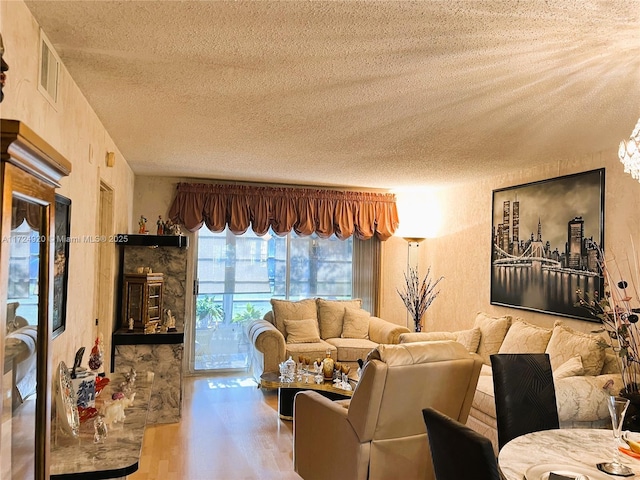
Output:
x,y
562,450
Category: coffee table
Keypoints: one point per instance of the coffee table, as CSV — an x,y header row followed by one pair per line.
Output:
x,y
288,390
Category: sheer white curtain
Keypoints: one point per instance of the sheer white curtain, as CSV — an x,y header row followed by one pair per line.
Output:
x,y
366,273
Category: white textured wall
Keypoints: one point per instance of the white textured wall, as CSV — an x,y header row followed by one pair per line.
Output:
x,y
75,131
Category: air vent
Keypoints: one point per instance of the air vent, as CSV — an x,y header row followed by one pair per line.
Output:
x,y
49,70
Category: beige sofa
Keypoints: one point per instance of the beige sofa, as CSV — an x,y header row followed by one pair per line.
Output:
x,y
582,367
313,326
379,433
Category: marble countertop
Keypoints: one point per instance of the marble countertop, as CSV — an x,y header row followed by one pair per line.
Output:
x,y
562,447
119,454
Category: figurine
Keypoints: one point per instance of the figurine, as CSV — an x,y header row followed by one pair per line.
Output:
x,y
100,429
160,225
130,376
113,412
151,327
131,324
171,322
142,223
95,357
77,361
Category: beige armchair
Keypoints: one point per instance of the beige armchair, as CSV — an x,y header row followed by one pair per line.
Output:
x,y
380,433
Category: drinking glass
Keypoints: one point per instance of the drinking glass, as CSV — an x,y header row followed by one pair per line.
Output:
x,y
617,409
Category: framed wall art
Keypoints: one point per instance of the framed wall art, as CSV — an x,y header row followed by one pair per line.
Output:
x,y
61,264
542,241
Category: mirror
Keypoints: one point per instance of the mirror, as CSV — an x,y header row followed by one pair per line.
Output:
x,y
26,245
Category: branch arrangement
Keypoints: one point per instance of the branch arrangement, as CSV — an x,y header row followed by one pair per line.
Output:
x,y
619,319
418,295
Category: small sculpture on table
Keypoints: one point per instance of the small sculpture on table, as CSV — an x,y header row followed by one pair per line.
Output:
x,y
151,326
160,225
171,322
95,357
131,324
100,429
142,224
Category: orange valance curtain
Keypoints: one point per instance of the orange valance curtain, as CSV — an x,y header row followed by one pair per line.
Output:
x,y
303,210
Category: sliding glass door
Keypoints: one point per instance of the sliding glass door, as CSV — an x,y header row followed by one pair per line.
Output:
x,y
237,275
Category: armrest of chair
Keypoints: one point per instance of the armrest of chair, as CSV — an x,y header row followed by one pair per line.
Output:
x,y
267,340
381,331
325,444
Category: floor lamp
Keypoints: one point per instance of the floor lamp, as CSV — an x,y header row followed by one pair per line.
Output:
x,y
413,245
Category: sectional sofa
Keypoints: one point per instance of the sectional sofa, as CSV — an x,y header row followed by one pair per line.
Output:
x,y
584,369
311,328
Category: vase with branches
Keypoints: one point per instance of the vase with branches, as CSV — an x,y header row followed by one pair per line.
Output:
x,y
418,295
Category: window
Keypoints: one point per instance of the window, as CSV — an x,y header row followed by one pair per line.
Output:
x,y
239,274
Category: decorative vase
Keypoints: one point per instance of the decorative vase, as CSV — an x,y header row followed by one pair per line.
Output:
x,y
327,367
418,324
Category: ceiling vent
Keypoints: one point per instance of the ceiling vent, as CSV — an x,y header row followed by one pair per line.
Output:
x,y
49,70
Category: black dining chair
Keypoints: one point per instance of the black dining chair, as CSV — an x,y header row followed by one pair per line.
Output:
x,y
476,461
524,393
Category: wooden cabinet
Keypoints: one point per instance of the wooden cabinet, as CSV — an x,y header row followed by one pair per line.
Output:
x,y
142,299
29,173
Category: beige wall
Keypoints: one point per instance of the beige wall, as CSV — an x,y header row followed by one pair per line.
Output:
x,y
462,253
75,131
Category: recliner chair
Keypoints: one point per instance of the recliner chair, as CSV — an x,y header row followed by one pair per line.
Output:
x,y
380,433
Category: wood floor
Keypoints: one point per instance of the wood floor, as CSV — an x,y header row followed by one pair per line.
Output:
x,y
230,430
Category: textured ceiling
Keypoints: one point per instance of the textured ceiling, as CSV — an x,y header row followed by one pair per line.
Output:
x,y
380,94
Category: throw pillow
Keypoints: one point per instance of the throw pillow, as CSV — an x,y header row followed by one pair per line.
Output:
x,y
571,368
356,323
469,338
331,315
288,310
566,342
523,337
492,333
302,331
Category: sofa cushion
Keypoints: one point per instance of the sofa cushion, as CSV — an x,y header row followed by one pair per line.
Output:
x,y
469,338
583,399
493,331
566,342
311,350
571,368
523,337
611,362
352,349
302,331
420,352
331,315
356,323
483,399
288,310
426,337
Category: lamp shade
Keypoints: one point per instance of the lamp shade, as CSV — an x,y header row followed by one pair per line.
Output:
x,y
419,214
